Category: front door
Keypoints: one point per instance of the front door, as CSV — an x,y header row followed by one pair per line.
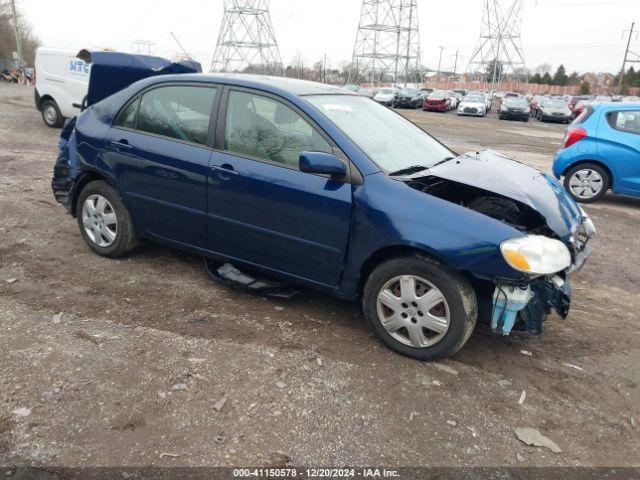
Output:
x,y
159,155
262,208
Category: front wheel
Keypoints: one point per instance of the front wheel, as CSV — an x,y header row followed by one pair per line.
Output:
x,y
587,182
420,308
51,114
104,220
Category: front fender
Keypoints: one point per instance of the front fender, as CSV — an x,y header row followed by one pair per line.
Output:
x,y
388,213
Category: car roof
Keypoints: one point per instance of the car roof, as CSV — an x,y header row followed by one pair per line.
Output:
x,y
263,82
607,106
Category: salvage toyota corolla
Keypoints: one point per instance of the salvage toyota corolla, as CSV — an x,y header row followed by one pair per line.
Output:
x,y
324,188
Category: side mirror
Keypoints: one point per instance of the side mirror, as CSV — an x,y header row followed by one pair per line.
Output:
x,y
322,163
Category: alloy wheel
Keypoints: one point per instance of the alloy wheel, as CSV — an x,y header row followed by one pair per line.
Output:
x,y
99,220
413,311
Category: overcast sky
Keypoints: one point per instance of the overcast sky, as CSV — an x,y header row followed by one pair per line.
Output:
x,y
585,35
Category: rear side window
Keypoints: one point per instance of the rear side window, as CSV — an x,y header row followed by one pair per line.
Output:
x,y
584,116
180,112
127,117
626,121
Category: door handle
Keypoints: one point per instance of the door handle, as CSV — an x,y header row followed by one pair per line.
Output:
x,y
121,144
224,169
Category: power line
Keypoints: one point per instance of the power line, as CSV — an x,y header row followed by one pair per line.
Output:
x,y
626,56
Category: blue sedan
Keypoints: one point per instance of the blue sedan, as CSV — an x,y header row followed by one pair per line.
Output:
x,y
321,187
601,152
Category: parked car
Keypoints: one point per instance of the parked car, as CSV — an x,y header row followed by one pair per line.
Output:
x,y
61,84
409,98
514,108
579,107
461,91
437,101
536,100
573,101
320,187
601,152
385,96
473,105
631,99
554,110
368,92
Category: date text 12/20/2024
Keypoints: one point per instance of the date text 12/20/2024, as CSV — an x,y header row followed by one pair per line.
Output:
x,y
315,472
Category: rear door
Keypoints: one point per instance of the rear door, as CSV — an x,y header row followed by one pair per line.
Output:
x,y
620,145
262,208
159,151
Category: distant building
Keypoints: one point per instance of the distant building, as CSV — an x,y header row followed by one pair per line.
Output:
x,y
601,79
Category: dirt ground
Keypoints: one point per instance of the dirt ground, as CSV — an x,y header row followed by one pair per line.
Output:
x,y
146,361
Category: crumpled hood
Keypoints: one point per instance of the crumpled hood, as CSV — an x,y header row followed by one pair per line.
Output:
x,y
494,172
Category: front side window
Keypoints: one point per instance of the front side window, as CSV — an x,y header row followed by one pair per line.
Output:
x,y
181,112
388,139
261,127
626,121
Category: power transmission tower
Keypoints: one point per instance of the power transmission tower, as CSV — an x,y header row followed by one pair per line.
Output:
x,y
635,58
499,48
142,45
247,40
388,40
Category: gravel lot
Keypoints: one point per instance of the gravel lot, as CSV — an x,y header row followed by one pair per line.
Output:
x,y
152,363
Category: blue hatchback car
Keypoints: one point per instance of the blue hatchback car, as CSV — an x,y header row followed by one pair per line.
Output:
x,y
321,187
601,152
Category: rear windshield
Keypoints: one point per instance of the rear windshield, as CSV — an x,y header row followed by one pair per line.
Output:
x,y
515,102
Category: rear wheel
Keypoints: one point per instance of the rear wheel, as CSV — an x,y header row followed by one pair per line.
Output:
x,y
420,308
104,221
51,114
587,182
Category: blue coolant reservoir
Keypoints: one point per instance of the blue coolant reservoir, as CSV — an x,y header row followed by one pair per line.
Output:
x,y
507,302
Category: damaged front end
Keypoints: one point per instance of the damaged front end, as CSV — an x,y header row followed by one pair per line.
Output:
x,y
555,232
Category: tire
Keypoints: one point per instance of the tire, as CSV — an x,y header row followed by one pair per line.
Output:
x,y
589,195
112,242
459,302
526,119
51,114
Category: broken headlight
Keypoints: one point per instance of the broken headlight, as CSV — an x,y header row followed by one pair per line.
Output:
x,y
536,254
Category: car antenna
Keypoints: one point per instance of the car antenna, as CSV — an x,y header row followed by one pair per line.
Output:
x,y
184,51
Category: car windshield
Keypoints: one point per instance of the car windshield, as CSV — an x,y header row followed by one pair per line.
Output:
x,y
473,99
410,92
385,91
554,104
388,139
439,95
515,102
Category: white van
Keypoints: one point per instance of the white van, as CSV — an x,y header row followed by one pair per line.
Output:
x,y
61,84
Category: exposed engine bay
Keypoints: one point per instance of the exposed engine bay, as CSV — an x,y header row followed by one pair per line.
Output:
x,y
491,204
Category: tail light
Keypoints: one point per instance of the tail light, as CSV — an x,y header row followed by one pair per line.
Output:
x,y
574,135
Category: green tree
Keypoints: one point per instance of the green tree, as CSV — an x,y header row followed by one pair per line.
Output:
x,y
546,79
536,79
8,40
561,78
574,78
585,88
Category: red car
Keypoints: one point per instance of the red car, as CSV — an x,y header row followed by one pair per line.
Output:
x,y
579,108
437,101
573,101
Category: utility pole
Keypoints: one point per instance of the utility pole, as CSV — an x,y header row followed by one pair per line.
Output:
x,y
626,55
455,65
440,58
16,30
